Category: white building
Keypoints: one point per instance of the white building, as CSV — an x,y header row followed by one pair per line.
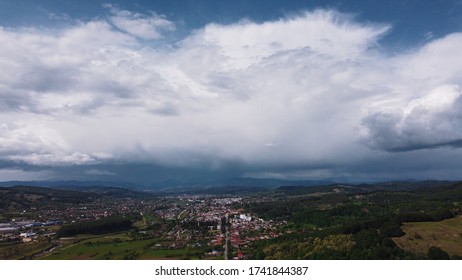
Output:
x,y
245,217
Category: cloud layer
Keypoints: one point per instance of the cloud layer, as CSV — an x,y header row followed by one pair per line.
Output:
x,y
139,25
299,95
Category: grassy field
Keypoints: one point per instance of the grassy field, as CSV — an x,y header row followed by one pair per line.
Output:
x,y
116,247
152,254
446,235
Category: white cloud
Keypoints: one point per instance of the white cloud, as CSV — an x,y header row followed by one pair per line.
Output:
x,y
34,143
140,25
53,159
434,64
419,107
318,33
287,92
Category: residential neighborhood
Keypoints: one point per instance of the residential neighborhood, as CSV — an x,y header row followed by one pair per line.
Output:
x,y
219,226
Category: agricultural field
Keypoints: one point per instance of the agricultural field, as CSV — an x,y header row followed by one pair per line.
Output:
x,y
420,236
115,247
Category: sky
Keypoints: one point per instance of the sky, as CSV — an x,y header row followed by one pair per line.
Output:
x,y
150,92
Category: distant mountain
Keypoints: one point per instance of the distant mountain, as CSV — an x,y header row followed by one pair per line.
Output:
x,y
71,184
367,187
107,191
238,183
410,185
263,182
215,186
169,185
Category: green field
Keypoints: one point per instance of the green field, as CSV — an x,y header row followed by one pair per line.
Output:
x,y
446,235
168,254
115,248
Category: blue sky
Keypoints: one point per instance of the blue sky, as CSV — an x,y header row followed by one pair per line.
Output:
x,y
413,20
152,91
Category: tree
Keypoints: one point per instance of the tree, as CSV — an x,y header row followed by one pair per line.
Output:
x,y
435,253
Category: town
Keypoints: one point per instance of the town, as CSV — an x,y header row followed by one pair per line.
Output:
x,y
215,226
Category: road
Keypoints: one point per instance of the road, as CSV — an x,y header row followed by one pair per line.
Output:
x,y
226,243
226,238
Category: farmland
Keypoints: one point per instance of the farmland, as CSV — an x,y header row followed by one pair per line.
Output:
x,y
116,247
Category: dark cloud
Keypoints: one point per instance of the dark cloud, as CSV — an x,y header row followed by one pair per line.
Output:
x,y
429,122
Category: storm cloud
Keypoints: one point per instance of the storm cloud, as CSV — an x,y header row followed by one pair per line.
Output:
x,y
309,95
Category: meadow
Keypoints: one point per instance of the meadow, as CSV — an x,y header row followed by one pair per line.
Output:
x,y
420,236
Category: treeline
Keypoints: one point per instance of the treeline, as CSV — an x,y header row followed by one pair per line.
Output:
x,y
102,226
432,216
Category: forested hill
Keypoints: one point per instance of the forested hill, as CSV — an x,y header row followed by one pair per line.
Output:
x,y
353,222
25,197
